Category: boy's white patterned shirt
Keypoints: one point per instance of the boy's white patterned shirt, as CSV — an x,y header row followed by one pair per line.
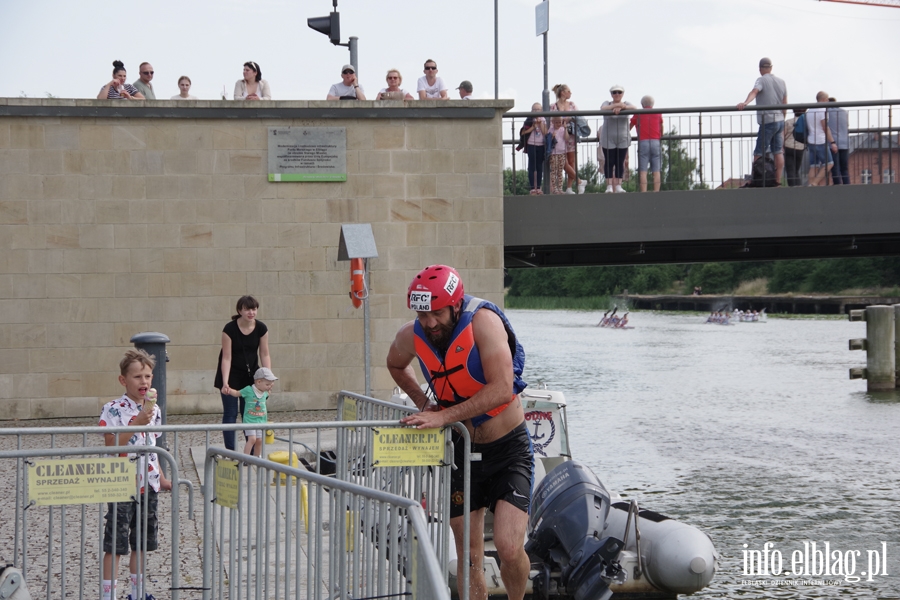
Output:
x,y
119,413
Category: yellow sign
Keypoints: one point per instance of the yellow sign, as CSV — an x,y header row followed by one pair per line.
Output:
x,y
349,410
227,483
404,447
81,481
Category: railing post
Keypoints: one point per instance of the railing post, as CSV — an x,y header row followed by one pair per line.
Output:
x,y
700,147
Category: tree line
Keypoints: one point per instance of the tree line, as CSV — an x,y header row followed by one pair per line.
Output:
x,y
821,276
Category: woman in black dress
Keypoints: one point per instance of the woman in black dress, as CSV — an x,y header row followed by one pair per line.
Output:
x,y
245,348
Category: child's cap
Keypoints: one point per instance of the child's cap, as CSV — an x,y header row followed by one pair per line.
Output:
x,y
265,373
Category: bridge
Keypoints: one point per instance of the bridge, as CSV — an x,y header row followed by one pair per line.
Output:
x,y
715,147
702,226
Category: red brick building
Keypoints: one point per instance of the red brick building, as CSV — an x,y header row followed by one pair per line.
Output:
x,y
874,158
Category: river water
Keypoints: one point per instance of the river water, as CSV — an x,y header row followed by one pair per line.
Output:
x,y
752,432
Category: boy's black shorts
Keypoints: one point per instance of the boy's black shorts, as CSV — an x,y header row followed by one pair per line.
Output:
x,y
130,516
505,472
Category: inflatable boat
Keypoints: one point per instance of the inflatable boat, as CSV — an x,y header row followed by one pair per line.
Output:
x,y
587,543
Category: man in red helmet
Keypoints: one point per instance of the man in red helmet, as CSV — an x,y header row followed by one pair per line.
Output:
x,y
473,363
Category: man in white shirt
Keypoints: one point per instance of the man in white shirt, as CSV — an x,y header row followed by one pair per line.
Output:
x,y
348,88
465,90
819,142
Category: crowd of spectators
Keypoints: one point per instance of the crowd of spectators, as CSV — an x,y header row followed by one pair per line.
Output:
x,y
251,86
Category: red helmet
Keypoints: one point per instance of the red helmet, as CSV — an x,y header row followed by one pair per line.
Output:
x,y
434,288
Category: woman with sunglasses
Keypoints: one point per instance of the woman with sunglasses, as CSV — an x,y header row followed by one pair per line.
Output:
x,y
431,87
393,91
563,104
348,88
117,89
252,86
615,138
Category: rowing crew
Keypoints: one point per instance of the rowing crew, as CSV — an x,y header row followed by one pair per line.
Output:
x,y
750,316
719,318
613,321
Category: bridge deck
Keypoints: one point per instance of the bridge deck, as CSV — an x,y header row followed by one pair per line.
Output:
x,y
702,225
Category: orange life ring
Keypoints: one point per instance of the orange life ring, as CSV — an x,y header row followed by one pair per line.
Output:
x,y
358,291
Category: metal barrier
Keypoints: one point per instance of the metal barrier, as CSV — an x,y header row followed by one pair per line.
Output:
x,y
284,532
63,557
712,146
343,450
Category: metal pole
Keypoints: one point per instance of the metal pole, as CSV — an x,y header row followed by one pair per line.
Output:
x,y
366,327
496,50
545,106
354,56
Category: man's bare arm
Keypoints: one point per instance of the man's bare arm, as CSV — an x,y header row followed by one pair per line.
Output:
x,y
399,364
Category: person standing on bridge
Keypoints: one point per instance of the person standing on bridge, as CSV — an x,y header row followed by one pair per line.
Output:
x,y
769,90
477,382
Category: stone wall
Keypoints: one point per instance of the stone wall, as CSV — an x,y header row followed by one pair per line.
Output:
x,y
118,218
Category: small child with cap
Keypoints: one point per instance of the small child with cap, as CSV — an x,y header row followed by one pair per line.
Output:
x,y
255,397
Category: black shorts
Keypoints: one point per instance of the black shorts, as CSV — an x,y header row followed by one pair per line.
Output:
x,y
130,516
505,472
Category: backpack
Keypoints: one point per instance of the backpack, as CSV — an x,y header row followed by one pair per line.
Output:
x,y
763,173
800,129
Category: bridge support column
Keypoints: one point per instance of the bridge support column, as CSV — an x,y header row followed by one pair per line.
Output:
x,y
880,361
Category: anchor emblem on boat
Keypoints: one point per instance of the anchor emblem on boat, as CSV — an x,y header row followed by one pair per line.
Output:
x,y
540,441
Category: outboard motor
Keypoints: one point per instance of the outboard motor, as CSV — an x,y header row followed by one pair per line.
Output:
x,y
568,514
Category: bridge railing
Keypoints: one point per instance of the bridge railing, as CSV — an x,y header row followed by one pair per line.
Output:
x,y
712,147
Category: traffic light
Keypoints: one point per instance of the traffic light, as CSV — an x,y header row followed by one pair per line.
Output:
x,y
330,26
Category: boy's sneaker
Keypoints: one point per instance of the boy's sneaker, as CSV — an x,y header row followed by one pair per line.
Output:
x,y
569,191
581,187
609,189
619,189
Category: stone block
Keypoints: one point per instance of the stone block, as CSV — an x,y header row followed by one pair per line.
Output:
x,y
12,408
341,210
179,162
45,162
468,257
62,236
485,134
229,235
45,211
196,236
13,212
129,137
97,285
146,211
388,186
409,211
193,187
29,385
64,384
487,185
26,135
194,137
405,258
493,257
420,135
245,259
179,212
162,236
165,284
106,162
82,407
228,187
128,188
14,161
421,186
328,282
403,161
257,187
22,187
228,137
112,211
468,161
438,161
4,135
486,233
61,285
130,236
29,285
95,137
325,235
277,259
147,162
61,137
437,209
96,236
93,188
180,260
451,185
469,209
23,237
248,162
419,234
373,209
78,211
375,161
309,259
389,137
360,138
436,255
452,136
294,283
131,285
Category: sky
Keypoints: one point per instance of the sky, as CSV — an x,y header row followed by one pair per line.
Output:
x,y
684,53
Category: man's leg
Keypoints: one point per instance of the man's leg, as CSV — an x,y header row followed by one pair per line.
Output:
x,y
779,166
643,181
510,524
477,587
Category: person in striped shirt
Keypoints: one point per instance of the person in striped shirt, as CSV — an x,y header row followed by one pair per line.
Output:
x,y
117,89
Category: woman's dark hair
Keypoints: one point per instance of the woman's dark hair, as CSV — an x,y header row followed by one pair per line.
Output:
x,y
255,67
118,65
245,302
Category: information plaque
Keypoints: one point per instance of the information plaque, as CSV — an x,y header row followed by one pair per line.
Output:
x,y
307,154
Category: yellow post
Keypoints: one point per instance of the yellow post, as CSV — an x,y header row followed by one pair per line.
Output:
x,y
304,503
